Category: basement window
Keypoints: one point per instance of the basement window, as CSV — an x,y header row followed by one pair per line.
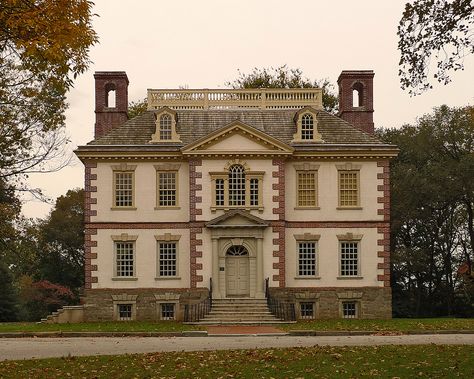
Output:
x,y
124,312
167,311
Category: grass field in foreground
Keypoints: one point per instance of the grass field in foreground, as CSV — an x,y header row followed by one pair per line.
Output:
x,y
428,361
401,325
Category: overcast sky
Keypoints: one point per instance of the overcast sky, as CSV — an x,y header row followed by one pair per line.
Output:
x,y
202,44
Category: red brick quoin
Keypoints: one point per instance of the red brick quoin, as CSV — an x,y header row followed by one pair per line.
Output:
x,y
89,191
279,226
195,227
384,243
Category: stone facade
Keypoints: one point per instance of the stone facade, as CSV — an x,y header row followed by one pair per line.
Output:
x,y
261,133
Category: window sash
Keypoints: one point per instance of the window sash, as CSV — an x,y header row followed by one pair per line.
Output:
x,y
124,259
307,189
124,312
167,189
237,186
349,258
349,309
165,127
167,259
348,188
123,189
167,311
307,310
306,258
307,127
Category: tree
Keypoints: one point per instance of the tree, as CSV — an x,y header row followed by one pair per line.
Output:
x,y
284,77
136,108
442,30
432,202
44,45
61,242
8,297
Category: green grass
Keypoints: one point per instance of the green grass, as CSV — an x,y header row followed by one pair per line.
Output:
x,y
427,361
132,326
394,325
400,324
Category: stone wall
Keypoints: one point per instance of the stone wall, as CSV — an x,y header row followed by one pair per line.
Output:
x,y
372,302
101,304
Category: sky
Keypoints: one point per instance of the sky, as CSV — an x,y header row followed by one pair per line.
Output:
x,y
203,44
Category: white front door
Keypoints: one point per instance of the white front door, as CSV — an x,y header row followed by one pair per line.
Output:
x,y
237,275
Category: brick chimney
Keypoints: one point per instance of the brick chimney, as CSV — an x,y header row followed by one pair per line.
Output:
x,y
111,101
356,98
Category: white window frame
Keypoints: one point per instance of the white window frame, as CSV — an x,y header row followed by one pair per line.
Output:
x,y
125,238
175,309
170,168
307,238
356,305
123,168
352,169
313,316
162,239
357,240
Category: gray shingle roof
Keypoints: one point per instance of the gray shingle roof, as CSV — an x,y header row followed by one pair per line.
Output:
x,y
195,124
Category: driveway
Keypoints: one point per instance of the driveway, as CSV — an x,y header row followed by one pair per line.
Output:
x,y
27,348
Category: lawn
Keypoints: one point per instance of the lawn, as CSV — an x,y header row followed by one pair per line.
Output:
x,y
132,326
393,325
427,361
396,324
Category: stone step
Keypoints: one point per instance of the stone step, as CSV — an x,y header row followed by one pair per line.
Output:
x,y
207,322
244,311
238,315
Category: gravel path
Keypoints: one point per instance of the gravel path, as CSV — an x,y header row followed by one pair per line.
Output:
x,y
27,348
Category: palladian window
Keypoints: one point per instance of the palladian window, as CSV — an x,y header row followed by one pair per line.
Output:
x,y
165,127
237,187
307,127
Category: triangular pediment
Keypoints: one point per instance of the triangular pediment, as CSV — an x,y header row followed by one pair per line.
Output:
x,y
237,219
237,137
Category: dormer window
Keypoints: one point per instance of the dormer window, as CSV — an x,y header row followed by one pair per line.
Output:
x,y
165,126
306,126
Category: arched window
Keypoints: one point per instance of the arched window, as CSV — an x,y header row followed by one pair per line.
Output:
x,y
307,127
110,95
165,127
237,251
236,185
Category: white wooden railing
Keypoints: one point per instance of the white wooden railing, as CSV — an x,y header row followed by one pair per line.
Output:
x,y
235,98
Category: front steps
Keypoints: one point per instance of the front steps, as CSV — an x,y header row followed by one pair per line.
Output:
x,y
243,311
66,314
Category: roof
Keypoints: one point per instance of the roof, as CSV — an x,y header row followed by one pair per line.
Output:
x,y
195,124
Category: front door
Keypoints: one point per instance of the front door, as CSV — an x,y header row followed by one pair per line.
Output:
x,y
237,271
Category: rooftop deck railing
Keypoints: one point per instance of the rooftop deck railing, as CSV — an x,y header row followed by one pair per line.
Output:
x,y
265,98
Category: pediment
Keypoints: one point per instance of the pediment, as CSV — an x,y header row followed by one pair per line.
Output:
x,y
237,219
237,137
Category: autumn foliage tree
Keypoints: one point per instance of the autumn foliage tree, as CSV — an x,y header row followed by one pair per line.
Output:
x,y
44,45
434,38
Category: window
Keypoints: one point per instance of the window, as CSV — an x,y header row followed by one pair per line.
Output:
x,y
123,189
167,311
167,259
124,259
348,188
124,312
167,189
165,127
349,258
349,309
307,258
238,187
307,127
307,310
307,188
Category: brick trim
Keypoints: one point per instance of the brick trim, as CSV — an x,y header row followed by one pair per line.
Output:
x,y
194,200
333,224
89,199
195,227
385,188
195,253
384,243
139,225
278,227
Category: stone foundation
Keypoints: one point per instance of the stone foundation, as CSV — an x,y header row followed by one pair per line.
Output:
x,y
372,302
101,304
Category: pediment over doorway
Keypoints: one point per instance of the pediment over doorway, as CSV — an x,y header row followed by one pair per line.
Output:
x,y
237,219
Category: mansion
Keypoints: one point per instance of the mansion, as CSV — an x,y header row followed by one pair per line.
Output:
x,y
236,194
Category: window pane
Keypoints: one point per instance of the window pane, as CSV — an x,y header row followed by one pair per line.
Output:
x,y
306,189
123,189
349,309
219,192
165,127
307,127
125,312
307,258
236,185
348,188
124,258
166,189
167,258
167,311
254,192
307,310
349,258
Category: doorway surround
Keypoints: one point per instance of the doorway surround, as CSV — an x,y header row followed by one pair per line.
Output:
x,y
237,228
